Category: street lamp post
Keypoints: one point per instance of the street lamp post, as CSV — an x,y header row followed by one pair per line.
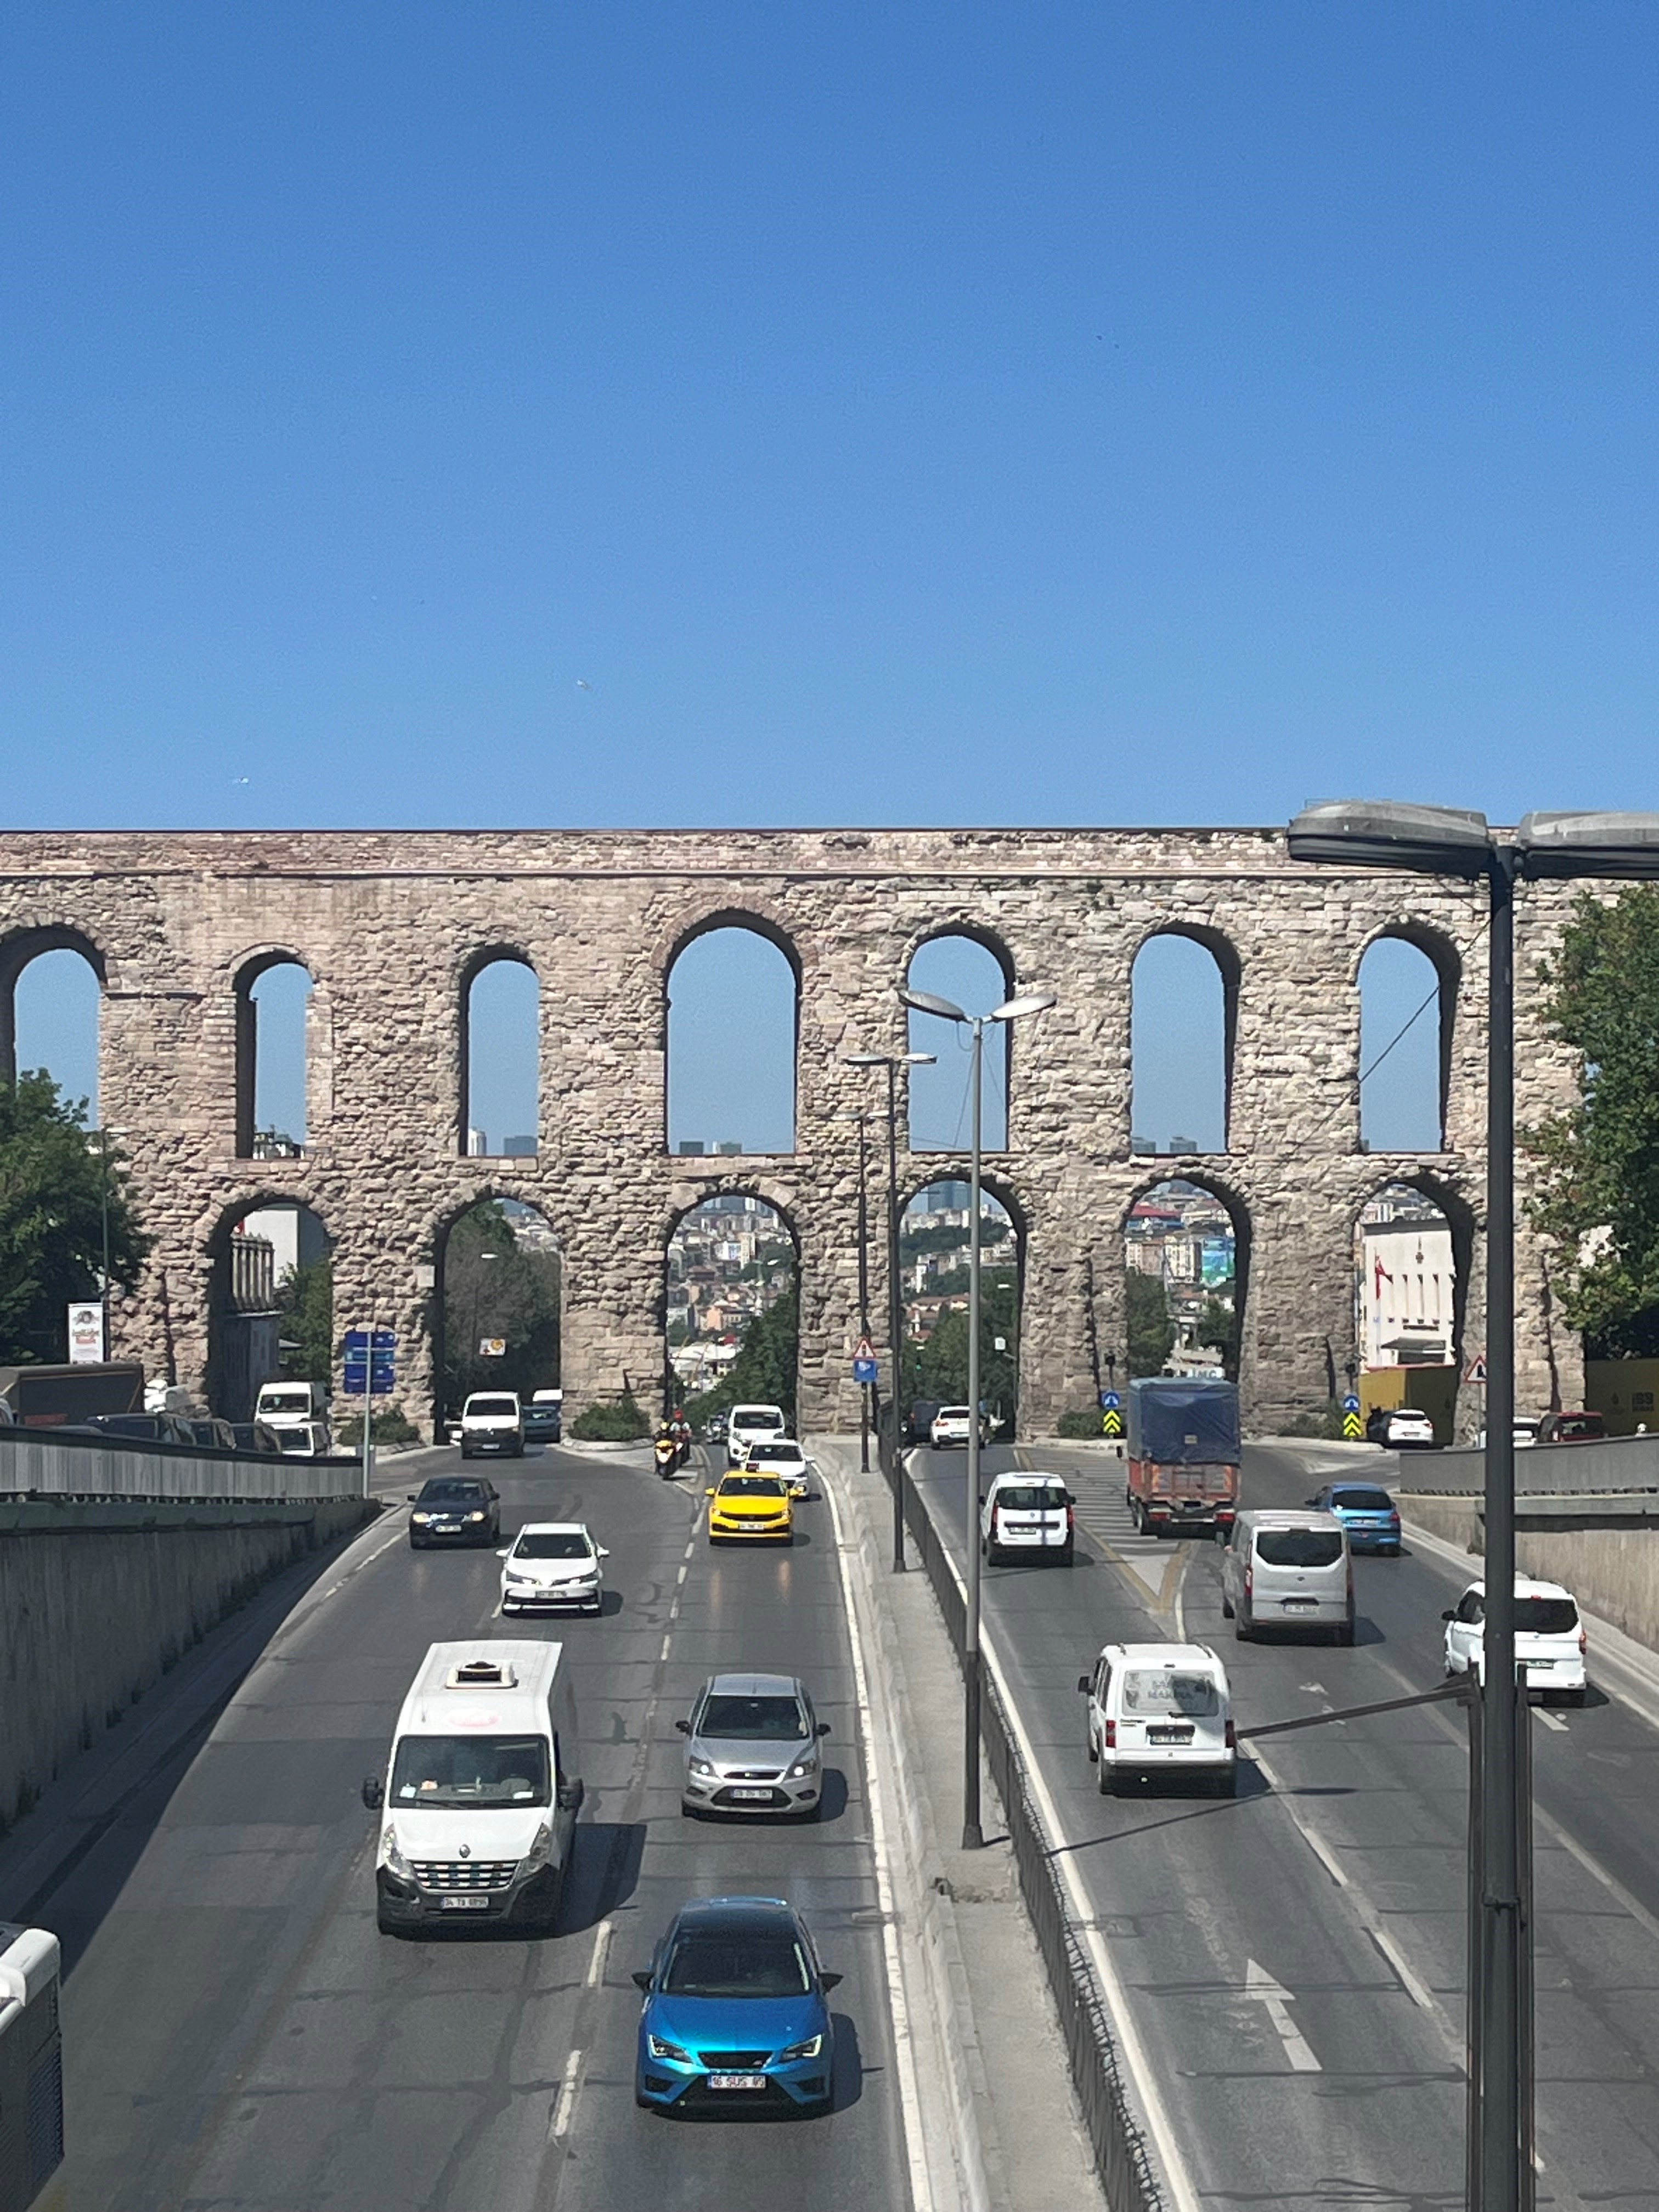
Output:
x,y
923,1002
892,1063
1450,842
104,1135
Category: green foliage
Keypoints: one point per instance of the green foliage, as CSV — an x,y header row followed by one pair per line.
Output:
x,y
623,1423
305,1308
1598,1161
938,1369
51,1218
1325,1423
392,1426
763,1373
950,1236
1218,1327
515,1294
1149,1327
1076,1425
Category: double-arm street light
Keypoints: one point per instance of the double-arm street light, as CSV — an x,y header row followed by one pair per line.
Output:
x,y
1012,1009
1443,841
892,1062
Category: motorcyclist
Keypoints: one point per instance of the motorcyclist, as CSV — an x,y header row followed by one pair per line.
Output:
x,y
681,1428
666,1447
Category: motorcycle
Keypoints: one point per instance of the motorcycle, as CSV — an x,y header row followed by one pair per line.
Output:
x,y
666,1452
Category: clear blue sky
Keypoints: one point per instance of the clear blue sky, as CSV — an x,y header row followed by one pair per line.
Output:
x,y
780,414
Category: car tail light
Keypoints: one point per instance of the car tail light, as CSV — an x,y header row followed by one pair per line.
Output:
x,y
1071,1520
1233,1737
1109,1735
1249,1578
1584,1641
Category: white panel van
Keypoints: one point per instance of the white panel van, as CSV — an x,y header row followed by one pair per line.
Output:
x,y
1288,1570
479,1802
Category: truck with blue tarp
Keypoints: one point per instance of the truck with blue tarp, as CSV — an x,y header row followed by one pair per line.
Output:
x,y
1184,1452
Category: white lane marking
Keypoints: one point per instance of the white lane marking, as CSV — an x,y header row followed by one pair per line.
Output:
x,y
921,2183
566,2105
1552,1721
1396,1958
1260,1984
685,1569
663,1654
398,1536
601,1947
1592,1865
1310,1836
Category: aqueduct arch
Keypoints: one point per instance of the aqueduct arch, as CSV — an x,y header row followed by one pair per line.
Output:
x,y
389,922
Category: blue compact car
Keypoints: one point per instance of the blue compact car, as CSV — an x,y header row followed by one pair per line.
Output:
x,y
1369,1514
735,2018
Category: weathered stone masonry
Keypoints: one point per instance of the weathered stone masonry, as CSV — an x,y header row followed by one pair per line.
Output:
x,y
391,925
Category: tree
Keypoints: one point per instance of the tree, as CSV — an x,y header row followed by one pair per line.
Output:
x,y
1147,1323
938,1367
51,1218
496,1286
1217,1328
1596,1187
763,1373
305,1322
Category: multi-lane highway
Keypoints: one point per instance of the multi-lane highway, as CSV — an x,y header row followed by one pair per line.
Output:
x,y
238,2033
1292,1961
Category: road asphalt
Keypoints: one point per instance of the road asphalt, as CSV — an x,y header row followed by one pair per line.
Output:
x,y
1294,1961
236,2032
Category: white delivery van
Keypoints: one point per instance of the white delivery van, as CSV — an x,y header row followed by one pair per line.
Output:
x,y
1160,1712
479,1802
493,1421
291,1404
753,1424
1288,1570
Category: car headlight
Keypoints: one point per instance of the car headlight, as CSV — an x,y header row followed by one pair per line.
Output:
x,y
518,1581
700,1766
537,1855
475,1516
802,1766
809,2048
422,1518
391,1858
661,2047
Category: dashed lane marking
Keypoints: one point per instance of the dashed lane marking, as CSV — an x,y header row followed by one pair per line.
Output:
x,y
601,1949
562,2111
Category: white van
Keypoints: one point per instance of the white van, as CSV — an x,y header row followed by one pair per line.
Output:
x,y
481,1793
753,1424
1288,1570
1551,1642
493,1421
290,1405
1160,1711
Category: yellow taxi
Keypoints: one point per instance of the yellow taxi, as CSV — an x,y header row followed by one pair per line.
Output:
x,y
751,1507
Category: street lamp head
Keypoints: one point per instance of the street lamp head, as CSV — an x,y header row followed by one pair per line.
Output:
x,y
1032,1002
1589,844
924,1002
921,1059
1387,833
866,1059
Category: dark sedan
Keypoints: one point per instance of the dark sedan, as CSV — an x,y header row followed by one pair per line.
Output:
x,y
454,1509
543,1421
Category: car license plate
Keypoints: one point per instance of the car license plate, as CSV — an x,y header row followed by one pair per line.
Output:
x,y
1300,1604
1535,1666
1169,1735
737,2081
752,1796
463,1903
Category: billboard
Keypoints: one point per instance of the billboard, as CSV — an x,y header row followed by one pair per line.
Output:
x,y
1215,1261
86,1334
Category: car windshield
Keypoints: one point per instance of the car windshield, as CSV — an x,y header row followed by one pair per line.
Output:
x,y
560,1544
751,1486
1037,1496
1162,1690
1299,1547
761,1964
129,1424
757,1720
436,1771
1580,1424
294,1440
759,1417
439,1492
951,1413
1545,1616
491,1409
1355,1500
778,1455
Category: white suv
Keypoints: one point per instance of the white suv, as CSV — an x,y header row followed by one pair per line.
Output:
x,y
1028,1516
1160,1711
1550,1641
492,1421
950,1426
753,1424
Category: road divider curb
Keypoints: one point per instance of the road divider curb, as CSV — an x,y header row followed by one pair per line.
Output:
x,y
936,2019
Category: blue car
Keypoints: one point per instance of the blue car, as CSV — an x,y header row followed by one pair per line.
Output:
x,y
735,2018
1368,1513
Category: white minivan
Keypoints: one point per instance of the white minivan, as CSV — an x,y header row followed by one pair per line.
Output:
x,y
1160,1712
493,1421
480,1795
753,1424
1551,1643
1288,1570
1028,1516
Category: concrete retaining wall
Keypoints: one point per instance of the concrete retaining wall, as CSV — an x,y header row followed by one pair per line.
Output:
x,y
1613,1572
91,1612
1617,1463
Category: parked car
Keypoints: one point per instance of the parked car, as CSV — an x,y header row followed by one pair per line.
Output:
x,y
752,1747
735,2013
492,1421
1367,1512
1524,1433
303,1439
1028,1516
213,1434
1288,1570
454,1509
1400,1428
1571,1428
144,1428
553,1563
1160,1712
1551,1642
255,1436
950,1428
544,1418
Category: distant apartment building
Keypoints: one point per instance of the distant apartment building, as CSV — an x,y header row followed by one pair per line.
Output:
x,y
1406,1294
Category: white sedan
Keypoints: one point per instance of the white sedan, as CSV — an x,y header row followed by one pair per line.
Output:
x,y
784,1457
553,1563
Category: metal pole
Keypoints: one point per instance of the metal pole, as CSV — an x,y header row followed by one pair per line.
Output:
x,y
1523,1831
1474,2013
972,1835
864,1286
103,1286
368,1399
1501,2094
895,1314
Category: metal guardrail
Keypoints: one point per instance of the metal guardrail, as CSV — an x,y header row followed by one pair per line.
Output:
x,y
1607,1463
35,1463
1121,2158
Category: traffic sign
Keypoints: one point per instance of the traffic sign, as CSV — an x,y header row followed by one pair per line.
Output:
x,y
1352,1429
1476,1370
1351,1404
864,1370
864,1349
379,1357
1110,1401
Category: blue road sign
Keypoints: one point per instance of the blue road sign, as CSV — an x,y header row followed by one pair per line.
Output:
x,y
1110,1401
1351,1404
864,1370
380,1358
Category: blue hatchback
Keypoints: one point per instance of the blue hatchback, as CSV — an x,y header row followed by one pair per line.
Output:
x,y
735,2018
1368,1513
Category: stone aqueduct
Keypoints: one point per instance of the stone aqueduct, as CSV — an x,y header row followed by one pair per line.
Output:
x,y
393,925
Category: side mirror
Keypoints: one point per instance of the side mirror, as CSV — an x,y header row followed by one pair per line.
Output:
x,y
570,1795
684,1726
1083,1685
374,1793
824,1728
641,1977
603,1551
410,1500
709,1493
506,1554
1314,1502
1448,1616
830,1981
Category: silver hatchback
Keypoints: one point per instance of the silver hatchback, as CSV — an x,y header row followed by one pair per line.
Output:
x,y
752,1746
